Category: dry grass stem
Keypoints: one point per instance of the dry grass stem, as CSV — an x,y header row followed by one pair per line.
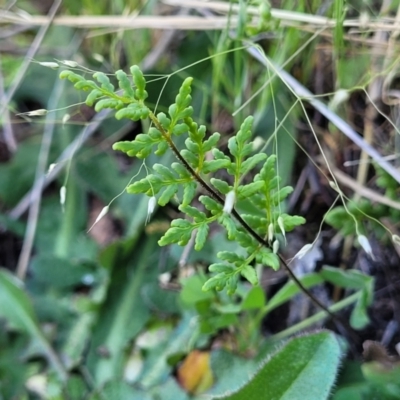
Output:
x,y
288,18
362,191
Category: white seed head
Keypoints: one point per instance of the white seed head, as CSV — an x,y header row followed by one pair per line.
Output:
x,y
103,212
270,232
164,278
257,143
333,185
88,279
69,63
281,226
38,384
364,20
51,167
63,195
275,246
49,64
150,208
364,243
98,57
25,15
65,118
396,239
303,251
229,202
35,113
340,97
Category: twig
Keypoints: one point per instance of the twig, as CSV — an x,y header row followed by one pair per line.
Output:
x,y
9,138
288,18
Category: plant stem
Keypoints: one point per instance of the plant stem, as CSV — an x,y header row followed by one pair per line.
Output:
x,y
237,216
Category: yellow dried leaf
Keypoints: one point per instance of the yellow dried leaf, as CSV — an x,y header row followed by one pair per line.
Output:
x,y
195,374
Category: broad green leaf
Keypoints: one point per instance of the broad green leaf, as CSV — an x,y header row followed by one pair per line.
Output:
x,y
76,388
16,307
124,313
351,278
59,273
118,389
231,371
192,292
340,219
290,290
359,316
254,299
18,311
305,368
384,378
157,367
354,280
169,390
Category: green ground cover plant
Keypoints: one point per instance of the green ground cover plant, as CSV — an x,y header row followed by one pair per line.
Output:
x,y
163,292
